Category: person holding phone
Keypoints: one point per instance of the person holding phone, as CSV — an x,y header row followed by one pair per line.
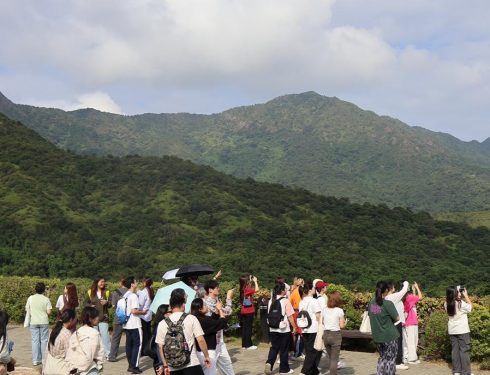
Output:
x,y
247,310
458,328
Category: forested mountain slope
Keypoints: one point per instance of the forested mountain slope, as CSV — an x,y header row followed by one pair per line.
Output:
x,y
67,215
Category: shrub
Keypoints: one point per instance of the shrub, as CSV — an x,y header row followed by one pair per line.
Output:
x,y
436,339
479,320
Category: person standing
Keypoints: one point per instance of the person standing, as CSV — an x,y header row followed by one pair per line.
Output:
x,y
459,329
117,328
314,309
39,307
68,300
411,328
247,310
382,316
145,297
133,326
98,297
334,321
397,299
295,299
280,336
192,333
223,359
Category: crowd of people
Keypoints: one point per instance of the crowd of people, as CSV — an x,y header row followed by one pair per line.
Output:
x,y
303,323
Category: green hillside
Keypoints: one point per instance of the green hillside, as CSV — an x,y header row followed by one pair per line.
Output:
x,y
322,144
473,219
63,215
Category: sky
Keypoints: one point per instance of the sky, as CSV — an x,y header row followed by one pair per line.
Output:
x,y
426,63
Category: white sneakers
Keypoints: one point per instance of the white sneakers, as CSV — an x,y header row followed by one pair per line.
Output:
x,y
289,372
401,367
268,369
253,347
416,362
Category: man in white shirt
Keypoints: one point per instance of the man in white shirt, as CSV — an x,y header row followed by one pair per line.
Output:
x,y
192,331
133,325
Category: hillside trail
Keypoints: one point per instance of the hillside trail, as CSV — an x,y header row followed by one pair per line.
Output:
x,y
245,362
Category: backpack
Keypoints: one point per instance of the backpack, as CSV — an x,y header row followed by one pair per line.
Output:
x,y
275,315
175,349
89,292
121,307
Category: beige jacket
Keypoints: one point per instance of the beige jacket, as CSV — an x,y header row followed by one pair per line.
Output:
x,y
85,351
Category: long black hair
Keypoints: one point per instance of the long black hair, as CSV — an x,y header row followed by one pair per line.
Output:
x,y
4,320
307,286
196,306
381,288
66,316
451,299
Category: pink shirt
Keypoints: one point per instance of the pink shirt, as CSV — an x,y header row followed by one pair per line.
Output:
x,y
411,310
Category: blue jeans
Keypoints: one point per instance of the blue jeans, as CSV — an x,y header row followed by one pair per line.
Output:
x,y
103,328
39,340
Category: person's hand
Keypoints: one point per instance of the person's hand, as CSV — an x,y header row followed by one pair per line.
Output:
x,y
207,362
465,293
219,306
166,371
218,275
254,279
159,370
229,294
103,302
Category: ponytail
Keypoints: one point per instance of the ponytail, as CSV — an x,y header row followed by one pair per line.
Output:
x,y
66,316
381,288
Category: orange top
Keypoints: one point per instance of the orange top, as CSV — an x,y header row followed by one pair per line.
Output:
x,y
295,299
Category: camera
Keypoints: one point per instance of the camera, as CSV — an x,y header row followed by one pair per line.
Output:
x,y
460,288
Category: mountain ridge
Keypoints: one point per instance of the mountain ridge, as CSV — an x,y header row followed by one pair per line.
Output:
x,y
322,144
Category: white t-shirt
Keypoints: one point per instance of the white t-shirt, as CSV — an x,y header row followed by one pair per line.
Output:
x,y
60,303
132,303
313,306
192,330
145,302
458,324
287,311
332,318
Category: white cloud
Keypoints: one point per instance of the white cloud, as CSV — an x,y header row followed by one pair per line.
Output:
x,y
96,100
426,62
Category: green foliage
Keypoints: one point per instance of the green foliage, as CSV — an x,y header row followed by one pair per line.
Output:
x,y
323,144
436,338
479,320
66,216
473,219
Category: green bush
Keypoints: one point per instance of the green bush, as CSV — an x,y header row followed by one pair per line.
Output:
x,y
479,320
436,339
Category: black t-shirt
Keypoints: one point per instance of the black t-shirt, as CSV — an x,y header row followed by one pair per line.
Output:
x,y
211,325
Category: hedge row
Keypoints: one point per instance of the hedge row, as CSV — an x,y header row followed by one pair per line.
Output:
x,y
432,318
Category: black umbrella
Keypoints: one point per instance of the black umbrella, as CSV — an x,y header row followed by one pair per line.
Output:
x,y
194,270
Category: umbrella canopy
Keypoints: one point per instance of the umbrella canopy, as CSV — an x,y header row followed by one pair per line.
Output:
x,y
194,270
163,296
170,275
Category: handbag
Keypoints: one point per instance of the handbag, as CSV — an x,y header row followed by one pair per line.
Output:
x,y
55,366
27,319
365,324
319,345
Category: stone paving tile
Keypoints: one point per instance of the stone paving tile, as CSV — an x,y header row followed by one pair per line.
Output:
x,y
245,362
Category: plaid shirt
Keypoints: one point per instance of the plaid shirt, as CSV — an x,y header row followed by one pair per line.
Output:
x,y
61,344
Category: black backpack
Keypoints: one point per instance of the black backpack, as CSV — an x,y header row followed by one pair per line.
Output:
x,y
275,315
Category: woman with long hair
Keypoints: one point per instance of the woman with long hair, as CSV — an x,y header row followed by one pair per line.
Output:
x,y
68,300
382,316
98,297
295,299
59,342
313,308
458,328
6,360
85,352
211,325
334,321
247,310
280,336
145,297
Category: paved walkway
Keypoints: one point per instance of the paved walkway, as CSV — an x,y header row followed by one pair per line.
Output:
x,y
246,362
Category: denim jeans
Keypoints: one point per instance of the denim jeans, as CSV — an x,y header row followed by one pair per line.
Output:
x,y
39,340
103,328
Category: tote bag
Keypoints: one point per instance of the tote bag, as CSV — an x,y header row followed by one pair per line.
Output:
x,y
55,366
366,323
